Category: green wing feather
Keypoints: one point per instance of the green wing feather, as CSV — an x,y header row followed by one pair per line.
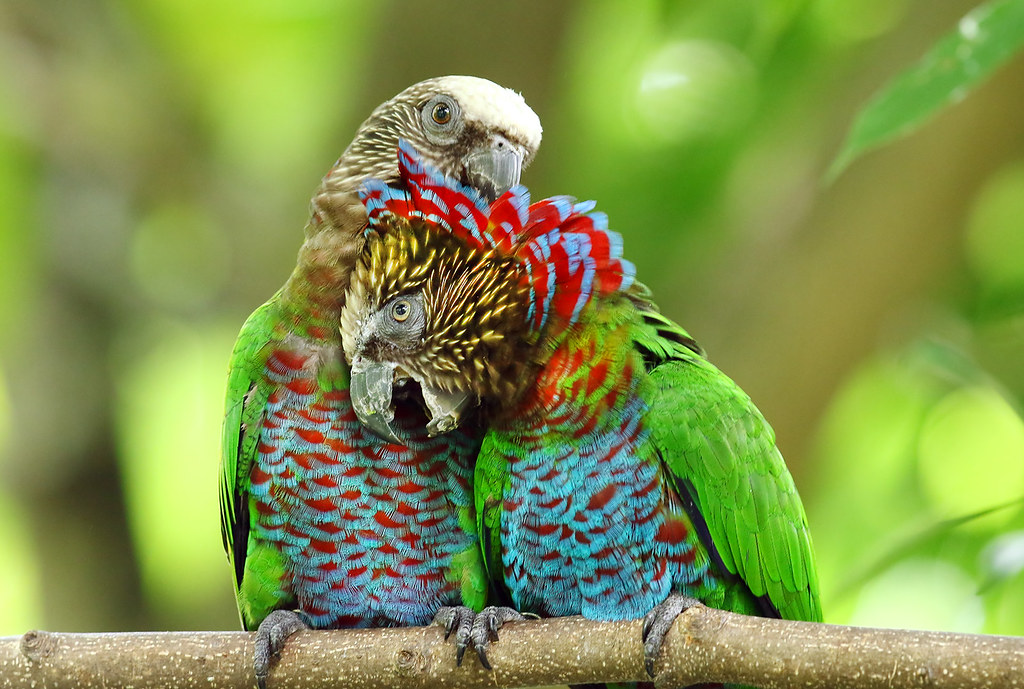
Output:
x,y
721,454
490,480
256,580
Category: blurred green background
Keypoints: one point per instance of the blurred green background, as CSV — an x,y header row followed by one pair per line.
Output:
x,y
156,158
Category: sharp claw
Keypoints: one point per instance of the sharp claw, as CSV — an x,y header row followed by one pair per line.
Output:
x,y
457,619
481,653
485,629
462,638
648,621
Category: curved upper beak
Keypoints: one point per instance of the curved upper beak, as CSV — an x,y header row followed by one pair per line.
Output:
x,y
370,388
495,168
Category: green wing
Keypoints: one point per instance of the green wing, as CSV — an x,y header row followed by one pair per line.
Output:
x,y
490,481
257,571
723,460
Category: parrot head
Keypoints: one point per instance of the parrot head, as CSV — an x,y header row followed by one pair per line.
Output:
x,y
470,129
463,298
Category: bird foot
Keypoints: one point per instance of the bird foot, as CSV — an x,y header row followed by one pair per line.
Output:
x,y
486,626
273,631
657,623
457,619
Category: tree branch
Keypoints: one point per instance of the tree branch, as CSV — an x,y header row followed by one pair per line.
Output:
x,y
706,645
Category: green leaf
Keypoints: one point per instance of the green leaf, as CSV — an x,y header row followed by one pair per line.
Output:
x,y
984,39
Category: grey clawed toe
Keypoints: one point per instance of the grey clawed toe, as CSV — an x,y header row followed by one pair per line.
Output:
x,y
271,635
657,623
458,620
486,626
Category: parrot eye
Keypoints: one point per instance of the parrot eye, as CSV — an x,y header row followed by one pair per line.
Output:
x,y
441,119
401,321
401,309
441,113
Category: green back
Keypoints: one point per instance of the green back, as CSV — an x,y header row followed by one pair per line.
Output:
x,y
721,454
723,463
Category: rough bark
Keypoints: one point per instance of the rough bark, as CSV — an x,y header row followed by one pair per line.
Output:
x,y
705,645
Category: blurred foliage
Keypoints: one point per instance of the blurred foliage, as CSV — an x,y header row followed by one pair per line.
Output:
x,y
982,41
155,162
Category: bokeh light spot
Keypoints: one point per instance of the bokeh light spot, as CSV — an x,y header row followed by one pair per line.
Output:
x,y
852,21
995,232
971,454
694,89
921,594
20,604
170,406
1004,556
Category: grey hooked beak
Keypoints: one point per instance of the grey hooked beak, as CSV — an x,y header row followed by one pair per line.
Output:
x,y
370,388
495,168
